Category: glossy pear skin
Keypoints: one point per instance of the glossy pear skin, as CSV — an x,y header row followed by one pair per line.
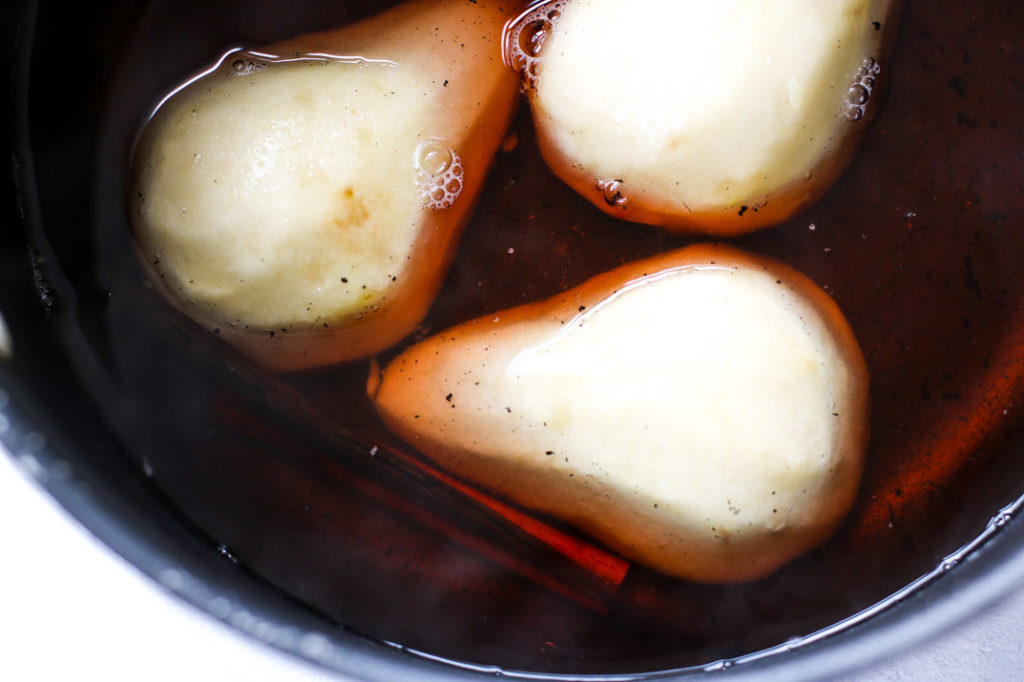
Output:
x,y
703,412
304,200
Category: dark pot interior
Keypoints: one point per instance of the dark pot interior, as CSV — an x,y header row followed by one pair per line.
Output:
x,y
221,481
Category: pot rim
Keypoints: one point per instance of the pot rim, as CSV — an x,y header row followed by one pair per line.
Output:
x,y
60,456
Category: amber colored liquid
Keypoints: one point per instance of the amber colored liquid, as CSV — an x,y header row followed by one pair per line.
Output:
x,y
920,243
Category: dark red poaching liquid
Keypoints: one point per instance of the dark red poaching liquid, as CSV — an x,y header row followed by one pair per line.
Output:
x,y
920,243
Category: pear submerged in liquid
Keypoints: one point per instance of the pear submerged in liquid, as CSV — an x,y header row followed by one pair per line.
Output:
x,y
304,200
705,117
703,412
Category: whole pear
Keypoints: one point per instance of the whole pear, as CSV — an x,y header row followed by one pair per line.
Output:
x,y
304,200
716,118
703,412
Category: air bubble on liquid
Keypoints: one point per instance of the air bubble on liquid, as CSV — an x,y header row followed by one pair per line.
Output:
x,y
859,94
439,173
612,192
525,36
246,66
1000,520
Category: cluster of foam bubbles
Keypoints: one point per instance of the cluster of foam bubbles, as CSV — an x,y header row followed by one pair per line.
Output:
x,y
860,91
439,174
524,38
246,64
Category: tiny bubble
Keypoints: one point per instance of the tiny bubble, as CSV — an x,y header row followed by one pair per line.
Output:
x,y
434,158
612,191
532,37
227,554
858,94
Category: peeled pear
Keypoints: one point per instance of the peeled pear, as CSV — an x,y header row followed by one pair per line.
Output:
x,y
304,200
703,412
704,117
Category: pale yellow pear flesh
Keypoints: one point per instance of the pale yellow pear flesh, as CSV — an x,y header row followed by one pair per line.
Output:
x,y
703,412
304,200
705,117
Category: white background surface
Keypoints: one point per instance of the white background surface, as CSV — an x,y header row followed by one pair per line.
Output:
x,y
72,609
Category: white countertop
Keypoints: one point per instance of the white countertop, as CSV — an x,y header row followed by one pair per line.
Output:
x,y
72,608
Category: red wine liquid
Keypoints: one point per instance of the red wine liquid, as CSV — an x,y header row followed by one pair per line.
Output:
x,y
920,243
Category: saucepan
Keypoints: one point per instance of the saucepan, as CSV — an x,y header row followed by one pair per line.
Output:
x,y
245,491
